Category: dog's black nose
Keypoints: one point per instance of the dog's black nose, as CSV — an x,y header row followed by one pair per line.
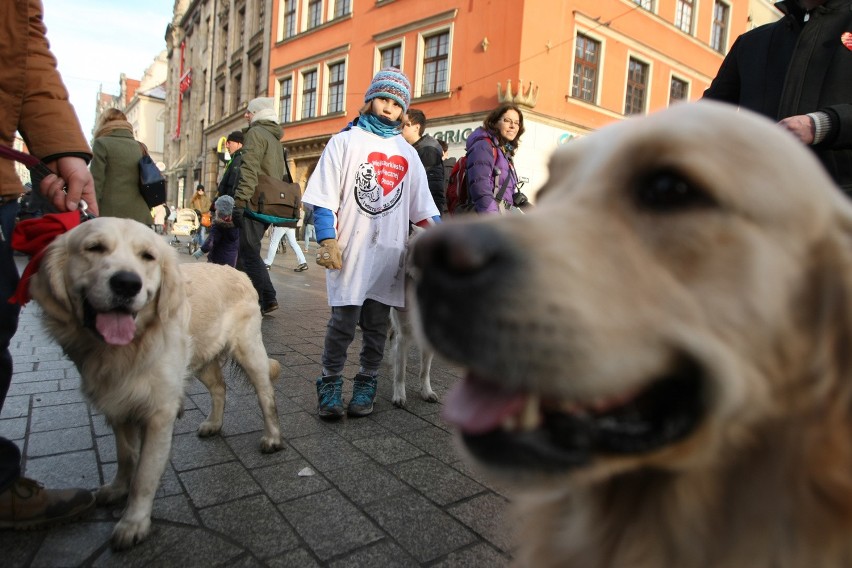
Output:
x,y
125,283
460,251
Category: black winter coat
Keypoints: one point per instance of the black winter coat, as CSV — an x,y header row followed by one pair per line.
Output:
x,y
790,68
231,177
432,156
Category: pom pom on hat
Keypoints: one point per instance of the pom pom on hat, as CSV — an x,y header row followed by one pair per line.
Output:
x,y
224,206
390,83
263,108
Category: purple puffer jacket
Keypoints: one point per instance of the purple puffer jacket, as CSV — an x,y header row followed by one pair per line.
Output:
x,y
481,165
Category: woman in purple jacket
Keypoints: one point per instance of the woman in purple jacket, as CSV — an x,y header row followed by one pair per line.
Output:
x,y
491,176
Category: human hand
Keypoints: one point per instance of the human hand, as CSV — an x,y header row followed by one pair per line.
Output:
x,y
197,254
801,126
74,177
328,255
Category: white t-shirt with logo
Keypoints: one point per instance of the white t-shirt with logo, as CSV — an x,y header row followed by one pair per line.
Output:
x,y
375,186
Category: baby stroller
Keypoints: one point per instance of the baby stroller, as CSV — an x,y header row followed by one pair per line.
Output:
x,y
186,225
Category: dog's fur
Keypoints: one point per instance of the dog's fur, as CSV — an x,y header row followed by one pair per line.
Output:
x,y
402,336
186,319
699,247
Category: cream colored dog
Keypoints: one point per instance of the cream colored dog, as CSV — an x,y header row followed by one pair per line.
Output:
x,y
659,352
136,324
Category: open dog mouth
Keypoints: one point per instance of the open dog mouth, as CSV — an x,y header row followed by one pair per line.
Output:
x,y
525,431
116,326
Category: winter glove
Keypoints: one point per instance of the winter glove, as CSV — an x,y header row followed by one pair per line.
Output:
x,y
197,254
328,255
237,217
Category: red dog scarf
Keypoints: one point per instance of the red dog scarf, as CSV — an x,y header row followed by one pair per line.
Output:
x,y
31,237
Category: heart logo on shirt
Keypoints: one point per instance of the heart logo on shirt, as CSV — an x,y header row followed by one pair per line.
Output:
x,y
389,170
846,39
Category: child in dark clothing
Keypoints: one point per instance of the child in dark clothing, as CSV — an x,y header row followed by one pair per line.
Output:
x,y
223,242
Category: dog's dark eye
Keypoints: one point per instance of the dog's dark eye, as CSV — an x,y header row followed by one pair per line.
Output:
x,y
146,255
95,247
666,191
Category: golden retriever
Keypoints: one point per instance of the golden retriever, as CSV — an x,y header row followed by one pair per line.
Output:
x,y
658,354
402,336
137,325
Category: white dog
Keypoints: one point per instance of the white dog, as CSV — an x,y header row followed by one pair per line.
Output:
x,y
658,352
402,337
136,325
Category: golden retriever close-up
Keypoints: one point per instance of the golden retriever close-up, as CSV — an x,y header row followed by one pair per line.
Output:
x,y
137,325
658,354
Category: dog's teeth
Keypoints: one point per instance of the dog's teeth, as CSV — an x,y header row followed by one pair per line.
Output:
x,y
510,423
530,417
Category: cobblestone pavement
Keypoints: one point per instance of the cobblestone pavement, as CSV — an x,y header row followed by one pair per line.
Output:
x,y
386,490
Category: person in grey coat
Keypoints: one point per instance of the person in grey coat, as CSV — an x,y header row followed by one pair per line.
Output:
x,y
115,169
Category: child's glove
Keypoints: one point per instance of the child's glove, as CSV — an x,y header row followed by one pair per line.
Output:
x,y
197,254
328,254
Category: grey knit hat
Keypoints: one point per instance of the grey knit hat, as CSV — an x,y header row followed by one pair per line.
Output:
x,y
224,206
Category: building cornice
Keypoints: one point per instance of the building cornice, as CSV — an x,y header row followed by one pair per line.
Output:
x,y
411,26
340,50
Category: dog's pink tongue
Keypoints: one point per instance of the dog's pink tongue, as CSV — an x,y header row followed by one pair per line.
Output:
x,y
116,328
476,407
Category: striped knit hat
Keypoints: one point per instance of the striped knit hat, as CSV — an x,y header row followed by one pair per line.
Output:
x,y
390,83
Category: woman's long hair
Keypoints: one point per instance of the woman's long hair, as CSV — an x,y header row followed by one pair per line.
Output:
x,y
491,124
111,119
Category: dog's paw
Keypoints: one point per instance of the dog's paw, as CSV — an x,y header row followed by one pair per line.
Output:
x,y
399,401
109,495
429,396
208,429
270,445
127,533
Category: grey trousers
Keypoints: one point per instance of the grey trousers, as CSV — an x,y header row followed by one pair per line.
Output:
x,y
373,319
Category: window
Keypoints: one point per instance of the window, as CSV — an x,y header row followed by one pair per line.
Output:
x,y
391,56
719,36
236,91
220,99
678,91
683,15
647,4
341,8
241,27
637,81
309,94
223,44
259,83
286,99
314,13
258,19
435,63
336,79
289,18
585,81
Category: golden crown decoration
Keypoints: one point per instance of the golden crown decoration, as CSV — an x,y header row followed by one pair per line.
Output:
x,y
522,97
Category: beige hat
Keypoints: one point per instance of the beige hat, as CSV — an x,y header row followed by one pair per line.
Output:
x,y
262,108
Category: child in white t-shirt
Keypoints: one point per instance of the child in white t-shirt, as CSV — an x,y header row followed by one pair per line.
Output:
x,y
368,186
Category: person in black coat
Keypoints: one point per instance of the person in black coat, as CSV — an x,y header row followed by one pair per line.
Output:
x,y
231,176
797,71
430,152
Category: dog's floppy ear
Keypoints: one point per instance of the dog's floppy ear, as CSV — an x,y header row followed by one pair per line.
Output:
x,y
172,294
49,285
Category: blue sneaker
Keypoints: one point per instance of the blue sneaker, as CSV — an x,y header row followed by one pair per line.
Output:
x,y
363,395
330,396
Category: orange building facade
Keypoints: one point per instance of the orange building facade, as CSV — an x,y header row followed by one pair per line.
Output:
x,y
573,66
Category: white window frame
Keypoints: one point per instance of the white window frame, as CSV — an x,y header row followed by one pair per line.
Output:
x,y
326,95
377,63
301,92
724,46
421,55
687,82
650,66
278,81
602,43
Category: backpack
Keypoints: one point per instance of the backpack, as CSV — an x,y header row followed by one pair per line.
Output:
x,y
458,199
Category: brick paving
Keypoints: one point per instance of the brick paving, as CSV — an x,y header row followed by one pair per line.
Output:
x,y
385,490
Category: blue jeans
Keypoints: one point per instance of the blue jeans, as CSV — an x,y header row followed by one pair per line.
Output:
x,y
373,319
10,456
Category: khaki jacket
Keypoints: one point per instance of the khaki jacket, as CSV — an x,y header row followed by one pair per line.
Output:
x,y
115,170
33,99
262,155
